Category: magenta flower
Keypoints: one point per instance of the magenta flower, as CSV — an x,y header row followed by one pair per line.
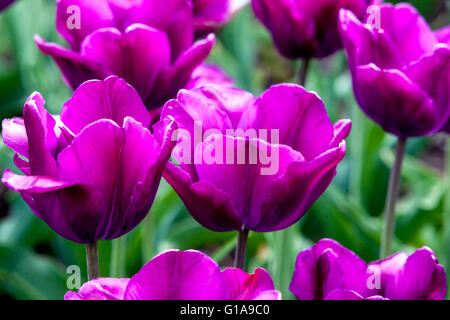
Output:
x,y
330,271
304,28
91,174
181,275
209,15
400,71
148,44
296,162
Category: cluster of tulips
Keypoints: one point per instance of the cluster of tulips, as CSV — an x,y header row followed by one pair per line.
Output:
x,y
142,92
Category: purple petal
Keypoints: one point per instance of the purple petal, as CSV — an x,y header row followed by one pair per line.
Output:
x,y
300,116
100,289
241,182
393,101
209,74
408,30
326,267
92,15
432,74
175,18
111,99
42,140
137,55
33,185
177,275
211,207
14,135
243,286
343,294
288,198
365,44
75,68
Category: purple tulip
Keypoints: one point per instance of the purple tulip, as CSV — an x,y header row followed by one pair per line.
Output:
x,y
209,15
263,196
5,4
330,271
305,28
92,173
400,69
181,275
148,44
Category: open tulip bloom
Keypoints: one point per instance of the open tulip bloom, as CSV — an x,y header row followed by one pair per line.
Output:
x,y
249,163
92,173
181,275
330,271
148,44
401,77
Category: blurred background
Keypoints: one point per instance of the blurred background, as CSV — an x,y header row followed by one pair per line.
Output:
x,y
33,259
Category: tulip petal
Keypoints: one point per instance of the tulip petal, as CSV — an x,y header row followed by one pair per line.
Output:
x,y
100,289
110,99
243,286
75,68
443,35
241,169
14,135
176,275
209,74
397,104
175,18
175,77
300,116
138,54
90,15
343,294
432,74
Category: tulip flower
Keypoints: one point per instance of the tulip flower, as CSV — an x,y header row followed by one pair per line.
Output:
x,y
92,173
401,75
181,275
232,179
305,29
329,271
148,44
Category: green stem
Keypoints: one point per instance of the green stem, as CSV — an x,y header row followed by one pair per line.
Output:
x,y
241,249
118,257
284,260
357,153
446,218
394,183
92,260
147,236
303,72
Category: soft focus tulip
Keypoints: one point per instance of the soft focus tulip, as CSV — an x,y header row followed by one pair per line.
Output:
x,y
181,275
305,28
400,70
5,3
330,271
232,192
92,173
148,44
210,15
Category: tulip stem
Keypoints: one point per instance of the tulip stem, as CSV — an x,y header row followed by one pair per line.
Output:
x,y
241,248
92,260
303,72
392,194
